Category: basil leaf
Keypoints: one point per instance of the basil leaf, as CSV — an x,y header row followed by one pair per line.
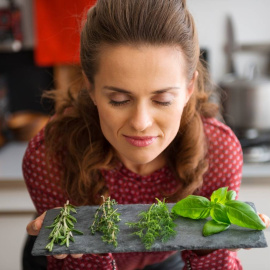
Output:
x,y
219,214
242,214
195,207
231,194
212,227
219,195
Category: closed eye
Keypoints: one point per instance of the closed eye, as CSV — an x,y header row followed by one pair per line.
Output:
x,y
119,103
124,102
165,103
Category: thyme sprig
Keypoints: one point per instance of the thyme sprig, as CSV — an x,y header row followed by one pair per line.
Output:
x,y
156,223
63,227
105,220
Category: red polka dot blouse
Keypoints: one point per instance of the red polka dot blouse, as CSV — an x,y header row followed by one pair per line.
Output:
x,y
127,187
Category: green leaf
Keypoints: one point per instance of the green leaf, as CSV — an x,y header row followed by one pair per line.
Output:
x,y
62,226
63,242
155,223
219,214
195,207
212,227
50,246
105,220
49,227
71,218
78,232
72,208
243,215
231,195
69,223
219,195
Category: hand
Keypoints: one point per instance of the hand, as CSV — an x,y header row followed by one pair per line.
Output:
x,y
34,227
266,221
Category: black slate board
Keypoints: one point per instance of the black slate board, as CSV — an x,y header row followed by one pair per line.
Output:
x,y
189,235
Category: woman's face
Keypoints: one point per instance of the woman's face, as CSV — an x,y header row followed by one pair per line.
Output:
x,y
140,94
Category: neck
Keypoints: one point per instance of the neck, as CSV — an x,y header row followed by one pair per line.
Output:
x,y
145,169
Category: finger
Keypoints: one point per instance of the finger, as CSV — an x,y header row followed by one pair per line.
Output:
x,y
265,219
76,256
234,250
60,256
34,226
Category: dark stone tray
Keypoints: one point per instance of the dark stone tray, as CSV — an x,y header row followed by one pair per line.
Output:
x,y
189,235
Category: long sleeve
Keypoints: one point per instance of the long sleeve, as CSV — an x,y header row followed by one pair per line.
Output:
x,y
221,259
44,187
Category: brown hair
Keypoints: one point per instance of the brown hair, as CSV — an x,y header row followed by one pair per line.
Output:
x,y
130,22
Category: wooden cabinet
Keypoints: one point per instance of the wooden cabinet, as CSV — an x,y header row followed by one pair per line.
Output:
x,y
257,190
16,207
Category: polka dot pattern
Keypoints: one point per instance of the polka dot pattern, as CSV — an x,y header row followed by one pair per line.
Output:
x,y
220,259
127,187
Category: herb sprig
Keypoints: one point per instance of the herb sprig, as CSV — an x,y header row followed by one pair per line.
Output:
x,y
105,221
63,227
223,208
156,223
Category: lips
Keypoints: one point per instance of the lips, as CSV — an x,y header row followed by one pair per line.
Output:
x,y
140,141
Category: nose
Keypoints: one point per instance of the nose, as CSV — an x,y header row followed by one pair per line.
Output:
x,y
141,117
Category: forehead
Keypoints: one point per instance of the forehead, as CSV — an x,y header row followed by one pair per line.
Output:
x,y
141,64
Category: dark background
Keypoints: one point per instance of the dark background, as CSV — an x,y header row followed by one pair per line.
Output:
x,y
25,82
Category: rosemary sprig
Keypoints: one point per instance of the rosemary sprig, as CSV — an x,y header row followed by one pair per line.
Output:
x,y
156,223
63,227
105,220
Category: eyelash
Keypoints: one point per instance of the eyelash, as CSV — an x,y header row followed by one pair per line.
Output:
x,y
168,103
121,103
118,103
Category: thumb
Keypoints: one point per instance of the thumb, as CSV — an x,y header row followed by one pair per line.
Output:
x,y
265,219
34,226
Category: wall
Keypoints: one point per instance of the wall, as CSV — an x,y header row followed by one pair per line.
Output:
x,y
251,24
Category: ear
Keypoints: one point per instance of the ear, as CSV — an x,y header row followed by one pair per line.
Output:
x,y
89,87
191,85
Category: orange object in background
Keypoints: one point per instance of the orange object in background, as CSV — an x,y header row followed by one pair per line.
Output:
x,y
24,125
57,25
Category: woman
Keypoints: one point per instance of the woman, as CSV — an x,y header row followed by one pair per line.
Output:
x,y
142,129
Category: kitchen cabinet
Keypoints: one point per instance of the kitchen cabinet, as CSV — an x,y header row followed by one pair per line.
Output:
x,y
257,190
13,193
16,207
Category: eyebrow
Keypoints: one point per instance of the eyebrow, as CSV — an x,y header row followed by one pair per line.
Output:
x,y
129,92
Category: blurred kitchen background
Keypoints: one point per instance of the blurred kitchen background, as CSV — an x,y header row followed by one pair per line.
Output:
x,y
235,40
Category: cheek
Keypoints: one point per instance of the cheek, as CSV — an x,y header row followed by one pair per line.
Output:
x,y
174,123
110,121
171,123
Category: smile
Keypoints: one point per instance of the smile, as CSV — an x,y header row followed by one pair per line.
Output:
x,y
140,141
